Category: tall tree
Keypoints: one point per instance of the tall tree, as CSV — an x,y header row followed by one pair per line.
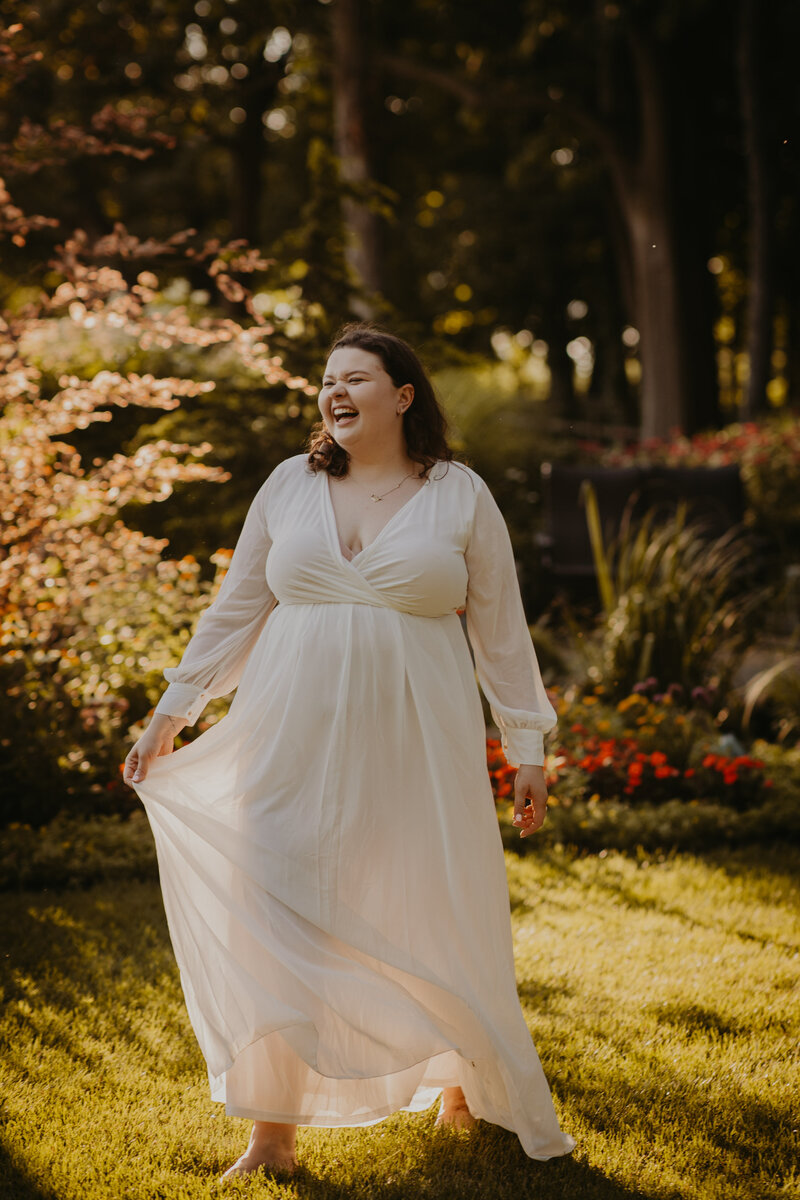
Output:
x,y
351,103
758,168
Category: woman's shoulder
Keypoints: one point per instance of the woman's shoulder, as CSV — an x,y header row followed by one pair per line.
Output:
x,y
287,468
285,473
460,476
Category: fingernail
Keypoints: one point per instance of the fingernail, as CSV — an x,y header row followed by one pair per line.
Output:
x,y
136,778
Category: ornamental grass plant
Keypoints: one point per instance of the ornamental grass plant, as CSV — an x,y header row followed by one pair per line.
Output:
x,y
676,606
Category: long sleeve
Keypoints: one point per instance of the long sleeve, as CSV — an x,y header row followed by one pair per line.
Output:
x,y
505,659
213,661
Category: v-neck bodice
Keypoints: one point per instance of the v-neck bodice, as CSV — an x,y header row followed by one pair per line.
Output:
x,y
414,564
348,554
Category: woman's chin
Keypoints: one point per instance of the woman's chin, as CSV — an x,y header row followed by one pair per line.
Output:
x,y
344,437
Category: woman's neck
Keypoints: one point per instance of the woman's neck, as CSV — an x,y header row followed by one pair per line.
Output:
x,y
367,468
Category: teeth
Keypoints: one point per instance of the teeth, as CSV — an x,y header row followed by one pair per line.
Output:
x,y
344,412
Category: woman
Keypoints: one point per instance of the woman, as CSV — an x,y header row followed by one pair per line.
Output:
x,y
329,852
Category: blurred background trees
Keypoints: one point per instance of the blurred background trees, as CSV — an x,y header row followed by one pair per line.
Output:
x,y
582,214
613,182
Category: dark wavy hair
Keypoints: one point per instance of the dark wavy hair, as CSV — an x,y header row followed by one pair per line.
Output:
x,y
424,423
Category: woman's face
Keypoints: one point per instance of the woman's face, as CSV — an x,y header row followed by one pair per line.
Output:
x,y
359,403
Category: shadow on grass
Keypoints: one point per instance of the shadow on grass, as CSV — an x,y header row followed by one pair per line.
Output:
x,y
66,944
485,1162
65,949
736,1137
15,1184
696,1019
780,864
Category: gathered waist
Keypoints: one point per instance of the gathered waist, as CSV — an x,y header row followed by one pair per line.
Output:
x,y
365,603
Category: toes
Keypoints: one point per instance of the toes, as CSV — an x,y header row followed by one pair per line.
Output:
x,y
246,1166
459,1117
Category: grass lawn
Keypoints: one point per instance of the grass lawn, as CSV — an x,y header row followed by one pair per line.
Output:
x,y
662,997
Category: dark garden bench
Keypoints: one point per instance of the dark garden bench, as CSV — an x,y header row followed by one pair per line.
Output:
x,y
713,495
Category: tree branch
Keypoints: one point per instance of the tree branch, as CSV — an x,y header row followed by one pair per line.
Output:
x,y
446,81
507,97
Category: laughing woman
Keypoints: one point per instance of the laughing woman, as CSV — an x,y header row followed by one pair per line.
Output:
x,y
329,852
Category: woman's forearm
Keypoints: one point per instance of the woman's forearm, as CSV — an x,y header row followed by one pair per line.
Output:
x,y
161,724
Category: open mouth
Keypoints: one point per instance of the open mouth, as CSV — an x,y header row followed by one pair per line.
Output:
x,y
343,414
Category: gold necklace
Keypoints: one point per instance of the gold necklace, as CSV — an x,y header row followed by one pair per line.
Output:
x,y
373,496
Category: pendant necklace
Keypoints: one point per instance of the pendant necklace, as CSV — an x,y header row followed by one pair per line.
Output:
x,y
373,496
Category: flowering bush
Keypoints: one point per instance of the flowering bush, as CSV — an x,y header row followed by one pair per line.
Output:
x,y
90,612
726,800
642,749
500,773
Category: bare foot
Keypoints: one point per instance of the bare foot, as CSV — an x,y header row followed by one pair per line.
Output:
x,y
453,1110
272,1146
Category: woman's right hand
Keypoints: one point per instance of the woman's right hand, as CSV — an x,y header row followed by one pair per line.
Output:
x,y
157,739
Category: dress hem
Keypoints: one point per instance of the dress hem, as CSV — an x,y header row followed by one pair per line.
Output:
x,y
378,1115
327,1122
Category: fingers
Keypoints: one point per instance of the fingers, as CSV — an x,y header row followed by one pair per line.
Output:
x,y
530,805
531,818
136,767
131,765
143,755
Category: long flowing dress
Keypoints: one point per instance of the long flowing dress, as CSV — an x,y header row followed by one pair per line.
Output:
x,y
329,852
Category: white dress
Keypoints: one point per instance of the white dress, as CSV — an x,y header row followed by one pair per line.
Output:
x,y
329,851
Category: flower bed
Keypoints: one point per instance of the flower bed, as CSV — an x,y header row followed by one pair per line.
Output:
x,y
646,772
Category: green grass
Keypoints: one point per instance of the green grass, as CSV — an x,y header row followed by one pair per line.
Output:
x,y
661,996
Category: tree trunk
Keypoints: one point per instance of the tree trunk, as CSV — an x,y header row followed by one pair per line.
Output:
x,y
642,186
247,152
759,297
645,198
248,148
657,316
350,90
619,312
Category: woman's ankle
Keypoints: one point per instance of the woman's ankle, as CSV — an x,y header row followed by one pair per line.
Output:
x,y
277,1133
453,1097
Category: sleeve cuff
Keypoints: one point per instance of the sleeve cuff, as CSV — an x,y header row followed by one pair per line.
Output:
x,y
523,746
183,700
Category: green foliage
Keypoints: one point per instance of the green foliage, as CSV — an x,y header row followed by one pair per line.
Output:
x,y
674,606
597,826
73,851
498,425
67,709
659,994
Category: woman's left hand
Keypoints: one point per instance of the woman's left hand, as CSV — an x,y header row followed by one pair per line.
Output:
x,y
529,782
